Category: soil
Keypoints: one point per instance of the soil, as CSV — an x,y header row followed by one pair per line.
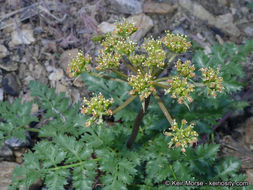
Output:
x,y
36,38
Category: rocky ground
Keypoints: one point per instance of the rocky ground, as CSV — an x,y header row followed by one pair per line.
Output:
x,y
39,38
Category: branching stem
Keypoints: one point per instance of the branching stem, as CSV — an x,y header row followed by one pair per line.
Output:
x,y
128,101
129,65
161,85
163,108
120,74
162,79
137,123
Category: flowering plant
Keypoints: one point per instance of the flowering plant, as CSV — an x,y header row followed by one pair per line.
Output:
x,y
68,155
146,63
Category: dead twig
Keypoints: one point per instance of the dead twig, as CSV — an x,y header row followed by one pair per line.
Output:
x,y
30,11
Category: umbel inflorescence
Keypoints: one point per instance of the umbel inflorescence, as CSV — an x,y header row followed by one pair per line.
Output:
x,y
145,64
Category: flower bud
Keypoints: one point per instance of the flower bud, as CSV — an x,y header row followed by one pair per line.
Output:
x,y
79,65
96,107
182,135
175,42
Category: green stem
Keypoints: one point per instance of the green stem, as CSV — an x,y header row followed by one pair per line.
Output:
x,y
128,101
161,85
162,79
172,58
173,173
71,165
120,74
107,77
163,108
197,83
33,130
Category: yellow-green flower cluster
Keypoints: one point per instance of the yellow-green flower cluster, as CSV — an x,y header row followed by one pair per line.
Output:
x,y
109,43
120,45
108,60
180,89
125,29
185,69
156,54
142,85
212,80
79,65
182,135
115,45
125,47
176,43
137,60
97,107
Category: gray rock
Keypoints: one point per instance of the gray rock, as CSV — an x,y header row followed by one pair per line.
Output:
x,y
49,68
75,95
226,24
158,8
66,58
15,143
56,75
105,27
39,71
22,37
1,76
61,88
223,2
1,94
6,169
179,30
3,51
249,30
144,24
6,153
49,45
10,84
127,6
197,10
8,65
222,22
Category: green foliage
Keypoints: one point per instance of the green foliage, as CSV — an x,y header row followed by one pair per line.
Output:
x,y
98,154
119,91
96,157
250,5
14,118
227,58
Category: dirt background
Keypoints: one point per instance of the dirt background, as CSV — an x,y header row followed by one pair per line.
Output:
x,y
39,38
